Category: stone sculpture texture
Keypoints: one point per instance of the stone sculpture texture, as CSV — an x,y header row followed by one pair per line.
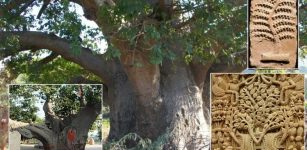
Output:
x,y
273,33
257,112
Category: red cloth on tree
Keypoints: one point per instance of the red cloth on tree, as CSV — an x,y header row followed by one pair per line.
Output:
x,y
71,135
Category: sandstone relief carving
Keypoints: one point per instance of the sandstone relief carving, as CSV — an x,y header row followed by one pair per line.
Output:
x,y
273,33
257,112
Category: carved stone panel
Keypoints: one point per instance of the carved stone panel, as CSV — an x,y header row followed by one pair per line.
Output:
x,y
273,33
257,112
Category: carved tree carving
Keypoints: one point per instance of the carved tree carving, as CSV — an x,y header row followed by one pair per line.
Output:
x,y
268,113
273,33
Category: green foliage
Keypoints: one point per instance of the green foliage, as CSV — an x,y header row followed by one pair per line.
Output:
x,y
39,120
65,99
303,23
303,29
59,20
142,144
215,26
28,65
208,26
10,43
106,123
13,21
112,52
69,102
22,108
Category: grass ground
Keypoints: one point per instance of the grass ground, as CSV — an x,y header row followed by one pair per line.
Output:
x,y
105,129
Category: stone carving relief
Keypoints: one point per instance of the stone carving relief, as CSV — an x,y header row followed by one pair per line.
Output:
x,y
257,112
273,33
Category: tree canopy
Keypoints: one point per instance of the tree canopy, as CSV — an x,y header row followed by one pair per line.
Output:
x,y
201,26
66,99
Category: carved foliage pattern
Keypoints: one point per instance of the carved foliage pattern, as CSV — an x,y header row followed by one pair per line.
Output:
x,y
251,112
273,20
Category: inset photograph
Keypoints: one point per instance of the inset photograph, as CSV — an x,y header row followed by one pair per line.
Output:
x,y
273,34
55,117
257,111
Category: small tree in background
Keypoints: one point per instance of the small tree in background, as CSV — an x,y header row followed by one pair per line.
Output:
x,y
66,107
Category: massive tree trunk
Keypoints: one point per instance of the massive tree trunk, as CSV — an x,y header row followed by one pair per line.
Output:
x,y
166,100
169,103
182,100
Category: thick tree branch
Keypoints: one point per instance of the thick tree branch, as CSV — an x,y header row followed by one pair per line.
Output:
x,y
49,58
81,95
45,4
15,4
199,72
82,80
91,10
86,59
51,120
32,131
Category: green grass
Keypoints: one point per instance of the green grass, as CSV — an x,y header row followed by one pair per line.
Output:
x,y
105,128
106,123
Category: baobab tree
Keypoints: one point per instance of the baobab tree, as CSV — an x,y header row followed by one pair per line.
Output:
x,y
156,66
69,115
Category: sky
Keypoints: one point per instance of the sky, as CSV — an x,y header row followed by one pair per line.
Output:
x,y
40,113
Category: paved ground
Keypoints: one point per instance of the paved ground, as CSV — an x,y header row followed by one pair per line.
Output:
x,y
93,147
88,147
27,147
